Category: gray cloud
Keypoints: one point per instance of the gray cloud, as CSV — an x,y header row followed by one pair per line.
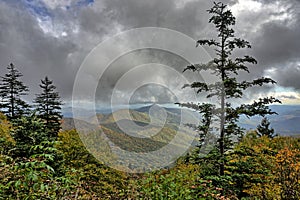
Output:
x,y
55,45
277,45
134,66
288,97
35,53
288,76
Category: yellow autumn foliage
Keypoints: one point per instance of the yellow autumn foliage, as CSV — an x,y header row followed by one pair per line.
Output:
x,y
5,129
280,158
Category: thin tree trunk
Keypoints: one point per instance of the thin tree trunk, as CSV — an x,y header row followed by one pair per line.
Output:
x,y
12,102
222,134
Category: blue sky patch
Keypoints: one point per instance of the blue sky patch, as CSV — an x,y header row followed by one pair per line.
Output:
x,y
84,2
37,8
40,9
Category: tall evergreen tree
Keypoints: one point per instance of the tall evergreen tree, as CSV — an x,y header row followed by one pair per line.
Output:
x,y
264,129
48,105
226,68
11,90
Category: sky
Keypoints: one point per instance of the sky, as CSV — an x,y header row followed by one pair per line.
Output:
x,y
54,37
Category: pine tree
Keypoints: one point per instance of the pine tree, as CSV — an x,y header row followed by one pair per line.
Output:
x,y
11,90
226,68
48,105
264,129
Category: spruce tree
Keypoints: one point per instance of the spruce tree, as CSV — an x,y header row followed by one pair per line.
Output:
x,y
226,68
264,129
48,106
11,91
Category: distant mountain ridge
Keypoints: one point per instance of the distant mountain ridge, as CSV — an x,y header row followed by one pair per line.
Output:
x,y
150,130
136,132
287,122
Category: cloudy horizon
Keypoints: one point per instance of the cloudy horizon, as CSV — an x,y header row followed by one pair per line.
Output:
x,y
53,37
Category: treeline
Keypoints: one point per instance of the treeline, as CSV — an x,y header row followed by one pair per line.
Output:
x,y
37,159
32,166
46,105
258,167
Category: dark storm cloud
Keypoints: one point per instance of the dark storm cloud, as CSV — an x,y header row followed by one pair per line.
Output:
x,y
53,40
124,67
37,50
35,53
136,13
289,75
277,45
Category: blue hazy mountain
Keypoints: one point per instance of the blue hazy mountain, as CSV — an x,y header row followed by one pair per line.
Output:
x,y
287,122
